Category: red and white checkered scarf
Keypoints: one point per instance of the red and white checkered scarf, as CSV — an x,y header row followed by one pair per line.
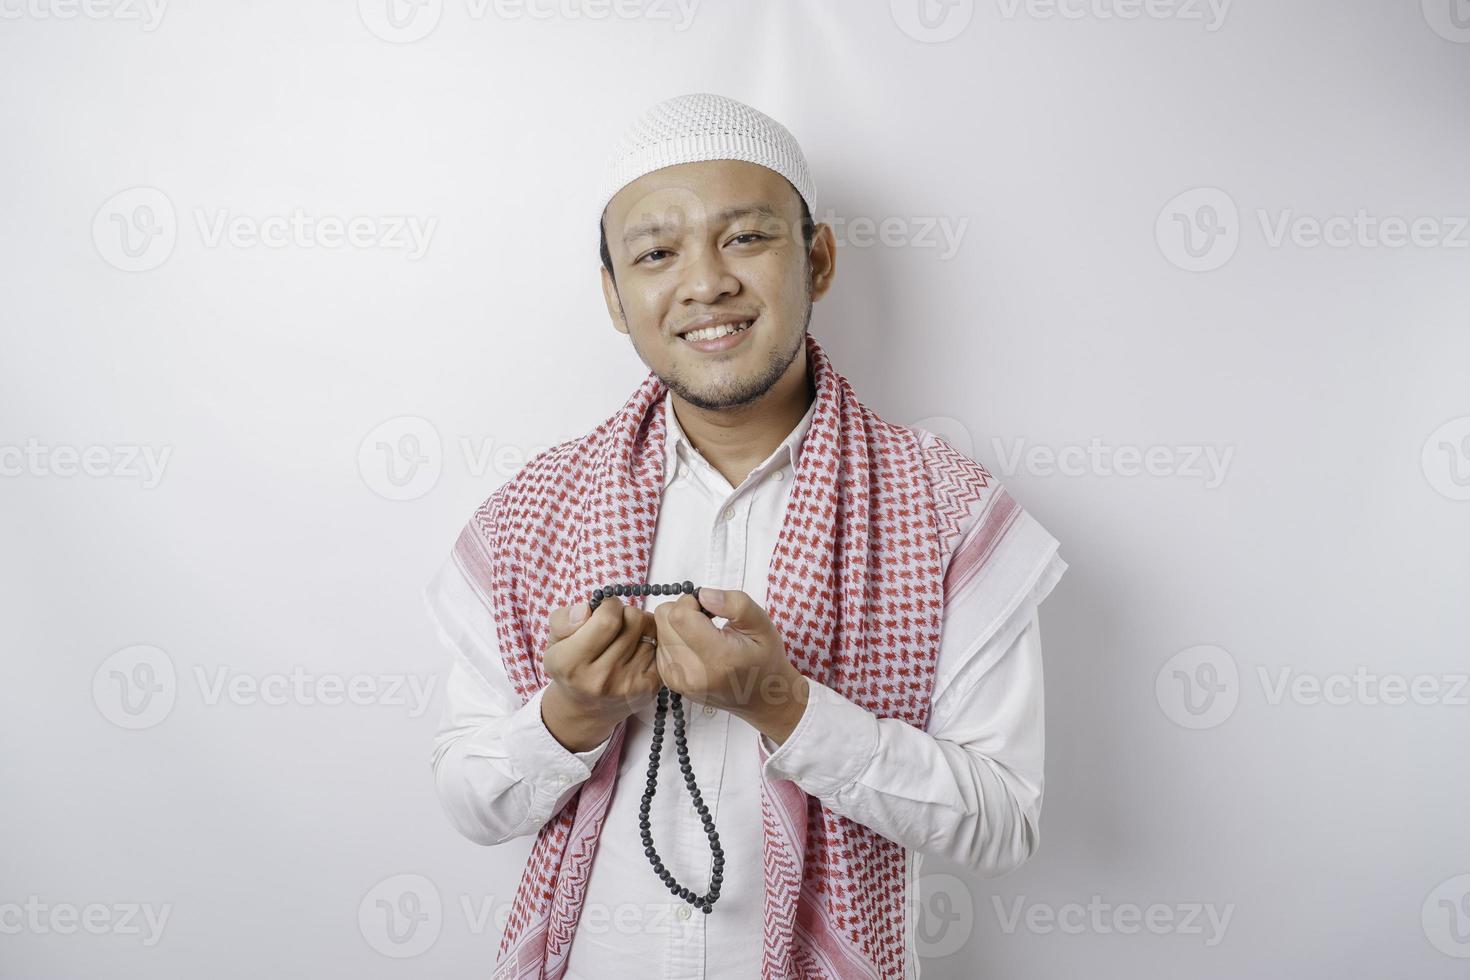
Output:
x,y
856,591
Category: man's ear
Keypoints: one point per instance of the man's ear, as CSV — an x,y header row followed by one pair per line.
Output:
x,y
823,257
614,302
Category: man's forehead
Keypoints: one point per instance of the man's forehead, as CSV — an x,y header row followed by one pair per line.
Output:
x,y
668,202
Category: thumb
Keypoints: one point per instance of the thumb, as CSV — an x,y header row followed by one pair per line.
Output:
x,y
738,608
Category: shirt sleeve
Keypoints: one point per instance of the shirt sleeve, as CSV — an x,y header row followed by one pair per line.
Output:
x,y
968,788
498,770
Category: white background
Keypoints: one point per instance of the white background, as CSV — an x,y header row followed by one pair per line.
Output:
x,y
1071,313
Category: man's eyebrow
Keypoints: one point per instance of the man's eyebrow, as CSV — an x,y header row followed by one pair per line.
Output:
x,y
651,229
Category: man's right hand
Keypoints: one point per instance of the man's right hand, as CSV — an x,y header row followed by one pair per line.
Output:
x,y
600,671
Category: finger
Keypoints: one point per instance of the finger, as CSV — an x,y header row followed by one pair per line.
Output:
x,y
692,627
740,611
619,645
559,623
589,637
669,638
643,643
643,667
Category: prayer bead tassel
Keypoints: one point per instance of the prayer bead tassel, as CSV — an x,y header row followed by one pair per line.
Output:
x,y
668,699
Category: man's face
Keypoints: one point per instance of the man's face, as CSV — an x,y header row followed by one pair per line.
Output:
x,y
714,238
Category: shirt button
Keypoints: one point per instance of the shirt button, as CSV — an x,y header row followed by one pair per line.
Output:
x,y
776,477
709,709
729,512
683,912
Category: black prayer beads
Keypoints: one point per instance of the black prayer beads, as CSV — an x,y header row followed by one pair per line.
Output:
x,y
669,699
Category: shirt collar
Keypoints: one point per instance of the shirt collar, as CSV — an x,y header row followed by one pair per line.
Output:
x,y
677,444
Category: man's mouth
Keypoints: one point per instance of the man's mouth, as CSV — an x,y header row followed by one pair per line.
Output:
x,y
716,332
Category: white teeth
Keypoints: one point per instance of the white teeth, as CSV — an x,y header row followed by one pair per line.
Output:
x,y
713,333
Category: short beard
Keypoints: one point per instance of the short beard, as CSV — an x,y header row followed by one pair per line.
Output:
x,y
780,361
746,394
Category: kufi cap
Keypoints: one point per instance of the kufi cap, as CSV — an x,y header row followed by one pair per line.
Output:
x,y
701,126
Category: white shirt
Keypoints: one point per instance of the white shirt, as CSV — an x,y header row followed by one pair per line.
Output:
x,y
969,787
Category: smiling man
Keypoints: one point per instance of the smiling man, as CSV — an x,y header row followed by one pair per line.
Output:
x,y
859,668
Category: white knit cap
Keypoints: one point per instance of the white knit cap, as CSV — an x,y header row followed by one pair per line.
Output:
x,y
702,126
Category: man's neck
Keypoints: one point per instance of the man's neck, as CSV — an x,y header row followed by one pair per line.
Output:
x,y
737,440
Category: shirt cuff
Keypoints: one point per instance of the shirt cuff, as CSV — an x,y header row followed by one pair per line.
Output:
x,y
541,760
830,747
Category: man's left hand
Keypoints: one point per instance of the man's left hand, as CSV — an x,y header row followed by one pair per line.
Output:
x,y
741,667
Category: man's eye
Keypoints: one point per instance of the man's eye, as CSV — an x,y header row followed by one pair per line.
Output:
x,y
645,255
748,234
